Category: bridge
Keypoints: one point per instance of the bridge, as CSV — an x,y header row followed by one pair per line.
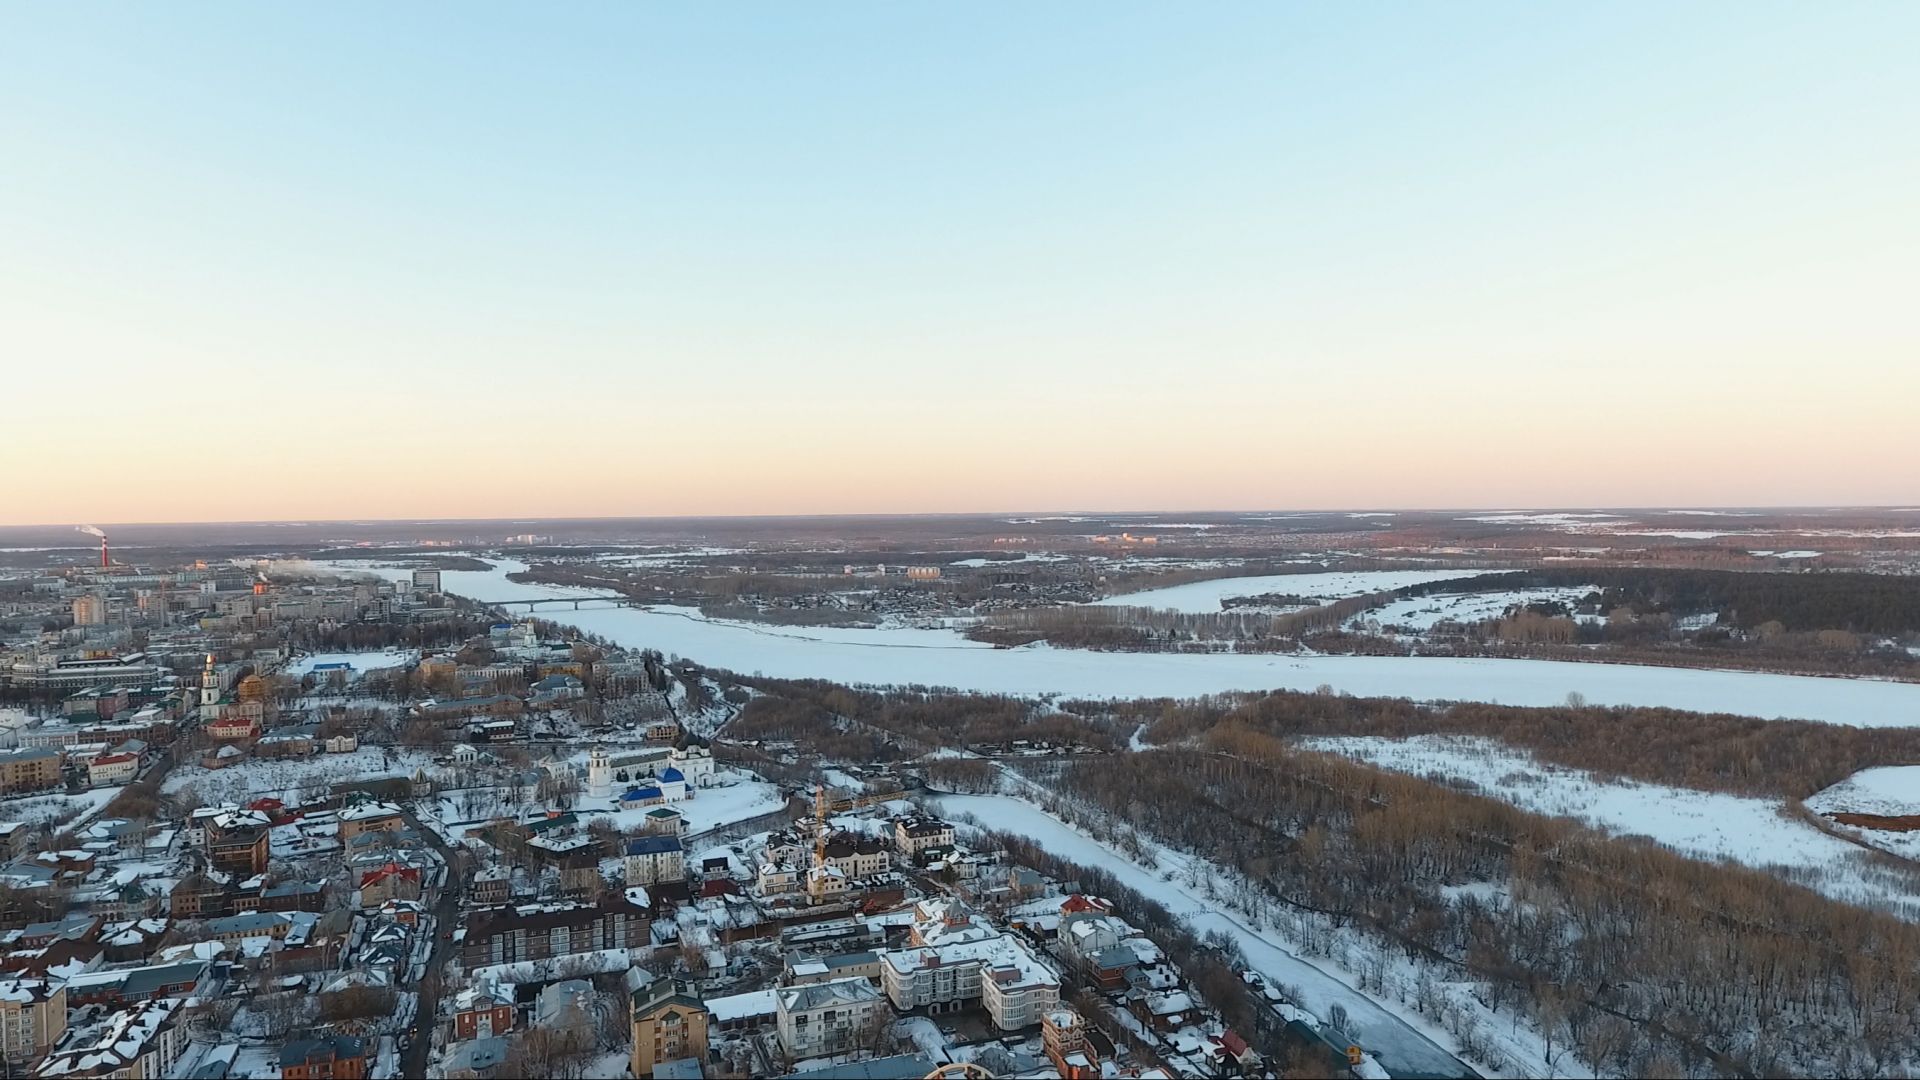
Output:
x,y
576,601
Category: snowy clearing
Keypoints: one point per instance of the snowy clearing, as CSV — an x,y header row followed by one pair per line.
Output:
x,y
1712,826
361,662
1203,597
58,809
1423,612
1889,791
283,778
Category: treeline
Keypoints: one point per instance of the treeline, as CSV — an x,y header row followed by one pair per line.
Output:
x,y
903,723
310,636
1648,963
1122,627
1709,751
1862,603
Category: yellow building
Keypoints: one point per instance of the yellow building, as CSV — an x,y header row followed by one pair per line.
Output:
x,y
669,1023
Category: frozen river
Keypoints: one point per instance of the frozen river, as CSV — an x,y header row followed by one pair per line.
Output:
x,y
944,658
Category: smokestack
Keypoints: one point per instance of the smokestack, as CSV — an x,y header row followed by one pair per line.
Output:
x,y
103,553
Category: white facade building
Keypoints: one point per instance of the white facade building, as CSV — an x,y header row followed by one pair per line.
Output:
x,y
825,1018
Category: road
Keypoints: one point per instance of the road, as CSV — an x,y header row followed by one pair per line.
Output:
x,y
446,916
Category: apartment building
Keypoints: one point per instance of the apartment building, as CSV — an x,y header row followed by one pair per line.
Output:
x,y
824,1018
33,1017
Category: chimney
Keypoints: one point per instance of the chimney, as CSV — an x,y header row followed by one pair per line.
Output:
x,y
103,553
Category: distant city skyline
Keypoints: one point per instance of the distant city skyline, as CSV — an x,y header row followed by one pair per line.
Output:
x,y
267,264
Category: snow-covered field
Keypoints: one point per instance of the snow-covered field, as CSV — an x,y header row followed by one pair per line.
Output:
x,y
362,662
710,808
1889,791
1422,612
1201,597
944,658
70,810
1400,1047
1712,826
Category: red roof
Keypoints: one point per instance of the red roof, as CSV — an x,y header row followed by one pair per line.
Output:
x,y
1078,903
115,759
405,873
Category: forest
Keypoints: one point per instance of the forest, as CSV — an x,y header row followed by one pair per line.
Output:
x,y
1742,755
1642,961
899,724
1860,603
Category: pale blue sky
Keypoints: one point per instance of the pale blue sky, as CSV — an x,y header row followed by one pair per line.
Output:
x,y
891,257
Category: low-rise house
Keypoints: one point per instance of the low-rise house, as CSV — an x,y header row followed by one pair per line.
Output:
x,y
390,881
324,1057
368,817
477,1059
483,1011
109,769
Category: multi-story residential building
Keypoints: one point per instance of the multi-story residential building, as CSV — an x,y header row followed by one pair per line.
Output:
x,y
999,972
653,860
512,933
669,1023
138,1043
1063,1036
236,842
90,609
33,1017
856,856
29,770
915,835
823,1018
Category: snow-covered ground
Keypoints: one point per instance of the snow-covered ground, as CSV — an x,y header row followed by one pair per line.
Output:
x,y
944,658
710,808
1201,597
64,809
1400,1047
284,777
1712,826
362,662
1889,791
1422,612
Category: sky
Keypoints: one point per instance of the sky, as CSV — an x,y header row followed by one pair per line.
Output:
x,y
471,260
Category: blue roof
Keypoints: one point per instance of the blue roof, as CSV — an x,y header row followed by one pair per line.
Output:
x,y
652,845
671,774
636,794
